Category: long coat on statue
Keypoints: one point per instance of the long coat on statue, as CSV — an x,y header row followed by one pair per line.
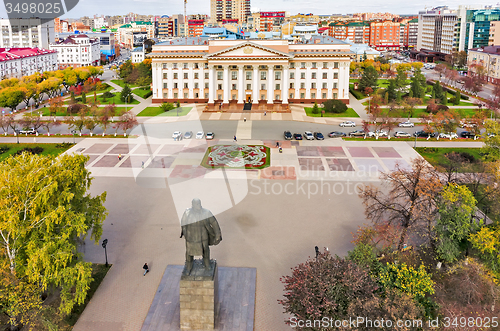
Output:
x,y
200,228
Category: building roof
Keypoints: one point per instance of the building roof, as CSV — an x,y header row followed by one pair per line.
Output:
x,y
7,54
487,49
137,50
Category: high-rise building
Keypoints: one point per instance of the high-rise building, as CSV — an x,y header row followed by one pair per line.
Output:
x,y
26,32
223,10
494,33
385,36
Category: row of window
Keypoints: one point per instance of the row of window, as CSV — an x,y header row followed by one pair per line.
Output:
x,y
314,65
249,86
262,96
248,75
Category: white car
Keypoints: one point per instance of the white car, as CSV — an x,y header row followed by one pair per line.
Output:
x,y
402,134
308,135
200,135
210,136
406,124
177,135
347,124
451,135
381,133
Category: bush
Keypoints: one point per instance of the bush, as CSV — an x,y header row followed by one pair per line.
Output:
x,y
103,86
428,149
358,95
465,97
32,150
76,108
107,95
334,106
64,145
148,94
442,107
4,149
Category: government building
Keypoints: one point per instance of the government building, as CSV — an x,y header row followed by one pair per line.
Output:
x,y
230,74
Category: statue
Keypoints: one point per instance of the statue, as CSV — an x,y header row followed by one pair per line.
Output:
x,y
201,230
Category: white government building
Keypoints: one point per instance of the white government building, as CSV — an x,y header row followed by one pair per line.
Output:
x,y
268,73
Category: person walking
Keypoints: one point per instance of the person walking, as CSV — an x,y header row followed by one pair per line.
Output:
x,y
234,139
119,157
277,144
317,251
265,113
146,268
280,149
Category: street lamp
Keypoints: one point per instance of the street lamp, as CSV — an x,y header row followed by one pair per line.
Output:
x,y
73,132
104,244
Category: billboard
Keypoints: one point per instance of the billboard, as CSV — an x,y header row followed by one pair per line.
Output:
x,y
139,38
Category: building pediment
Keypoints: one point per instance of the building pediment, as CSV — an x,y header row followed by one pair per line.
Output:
x,y
248,50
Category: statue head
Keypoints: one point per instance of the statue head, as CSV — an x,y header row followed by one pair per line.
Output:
x,y
196,204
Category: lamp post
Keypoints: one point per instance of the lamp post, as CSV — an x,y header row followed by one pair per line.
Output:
x,y
104,244
73,132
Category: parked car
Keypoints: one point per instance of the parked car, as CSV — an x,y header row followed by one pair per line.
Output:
x,y
308,135
287,135
177,135
406,124
335,134
381,133
465,124
347,124
28,131
451,135
297,136
210,136
200,135
467,134
423,134
188,135
357,133
402,134
319,136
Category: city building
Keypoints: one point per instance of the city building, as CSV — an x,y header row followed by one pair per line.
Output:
x,y
270,21
478,27
77,51
303,18
223,10
62,26
363,51
494,33
271,74
489,58
374,16
220,33
195,27
19,62
304,32
137,55
356,32
26,33
133,34
169,26
107,42
385,36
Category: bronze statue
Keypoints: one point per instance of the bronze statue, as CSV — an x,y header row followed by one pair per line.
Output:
x,y
201,230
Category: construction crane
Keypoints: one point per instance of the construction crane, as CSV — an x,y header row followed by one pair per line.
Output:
x,y
185,21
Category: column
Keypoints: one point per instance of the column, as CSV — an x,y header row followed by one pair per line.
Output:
x,y
308,80
319,81
241,82
170,77
330,80
157,88
270,83
201,81
284,89
297,82
346,79
211,87
255,84
181,80
191,81
225,84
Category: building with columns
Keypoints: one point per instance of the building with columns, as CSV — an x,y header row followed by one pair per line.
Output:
x,y
269,74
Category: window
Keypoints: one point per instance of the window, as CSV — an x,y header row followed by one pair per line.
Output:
x,y
334,85
176,95
196,95
233,96
302,65
262,97
278,87
291,85
165,95
325,75
164,64
323,95
277,75
291,95
219,75
175,85
335,95
234,75
185,75
263,75
324,85
302,75
206,67
335,75
302,85
219,86
185,95
196,85
186,85
196,75
325,65
165,76
206,75
219,96
233,87
313,75
206,85
313,85
313,95
175,75
249,75
262,86
292,65
302,95
292,75
196,66
314,65
174,65
185,65
165,85
335,64
277,97
206,95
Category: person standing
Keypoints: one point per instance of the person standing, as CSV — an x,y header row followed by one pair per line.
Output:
x,y
146,268
317,251
234,139
119,157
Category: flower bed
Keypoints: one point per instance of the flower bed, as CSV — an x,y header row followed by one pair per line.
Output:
x,y
237,157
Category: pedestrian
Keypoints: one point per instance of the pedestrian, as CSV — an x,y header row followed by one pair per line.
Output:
x,y
281,149
234,139
146,268
220,106
277,144
317,251
244,119
142,164
119,157
265,113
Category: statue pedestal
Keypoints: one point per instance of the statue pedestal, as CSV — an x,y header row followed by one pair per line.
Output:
x,y
199,297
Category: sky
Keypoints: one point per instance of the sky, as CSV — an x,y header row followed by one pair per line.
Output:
x,y
169,7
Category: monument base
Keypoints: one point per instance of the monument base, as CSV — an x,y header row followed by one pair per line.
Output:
x,y
198,296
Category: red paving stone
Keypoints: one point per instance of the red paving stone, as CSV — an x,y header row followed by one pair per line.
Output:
x,y
311,164
91,159
97,149
278,172
339,165
170,149
187,171
107,161
360,152
332,151
308,151
134,161
121,149
162,162
146,149
386,152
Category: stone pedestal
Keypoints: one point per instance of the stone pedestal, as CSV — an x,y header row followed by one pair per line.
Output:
x,y
199,297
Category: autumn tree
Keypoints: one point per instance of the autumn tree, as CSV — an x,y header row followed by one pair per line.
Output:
x,y
45,211
105,115
487,242
11,97
491,148
128,120
30,120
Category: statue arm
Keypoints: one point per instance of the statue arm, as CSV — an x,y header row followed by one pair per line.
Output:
x,y
215,229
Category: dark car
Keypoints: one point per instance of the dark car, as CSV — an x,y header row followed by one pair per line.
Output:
x,y
423,134
335,134
297,136
467,134
357,133
319,136
288,135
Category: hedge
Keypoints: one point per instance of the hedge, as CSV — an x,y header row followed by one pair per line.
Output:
x,y
358,95
449,90
148,94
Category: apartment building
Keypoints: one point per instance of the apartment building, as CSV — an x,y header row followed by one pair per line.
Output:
x,y
385,36
26,33
19,62
356,32
107,42
223,10
169,26
77,51
133,34
489,58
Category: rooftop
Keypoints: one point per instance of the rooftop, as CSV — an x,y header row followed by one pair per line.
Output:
x,y
7,54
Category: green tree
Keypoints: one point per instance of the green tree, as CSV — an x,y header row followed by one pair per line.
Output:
x,y
487,241
491,148
416,88
391,90
166,106
368,79
84,98
46,210
11,97
315,109
439,93
415,282
401,78
456,100
456,206
334,106
126,93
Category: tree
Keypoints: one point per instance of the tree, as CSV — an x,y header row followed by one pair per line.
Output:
x,y
315,108
368,79
166,106
31,120
79,122
456,206
456,100
416,88
401,78
11,97
409,201
45,211
105,115
391,90
439,93
125,93
334,106
487,241
325,287
409,105
128,120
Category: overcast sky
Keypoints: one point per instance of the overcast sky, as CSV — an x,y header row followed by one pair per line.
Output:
x,y
169,7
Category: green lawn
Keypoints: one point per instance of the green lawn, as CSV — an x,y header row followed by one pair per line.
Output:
x,y
141,91
419,112
156,111
121,83
381,82
116,100
119,111
48,149
348,113
436,156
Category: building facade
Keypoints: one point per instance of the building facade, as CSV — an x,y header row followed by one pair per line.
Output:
x,y
26,33
494,38
489,58
268,73
356,32
107,42
385,36
19,62
223,10
77,51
